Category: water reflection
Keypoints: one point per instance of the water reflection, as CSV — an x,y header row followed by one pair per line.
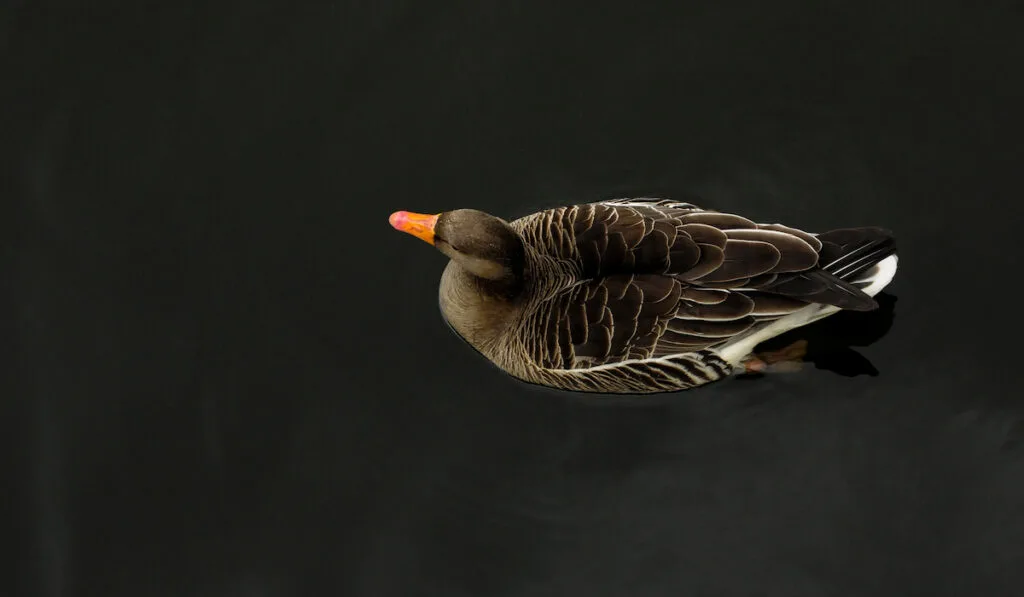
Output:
x,y
830,342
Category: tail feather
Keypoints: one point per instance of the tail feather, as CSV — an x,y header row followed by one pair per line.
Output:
x,y
848,252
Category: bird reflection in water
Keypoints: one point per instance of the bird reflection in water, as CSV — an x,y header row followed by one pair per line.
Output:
x,y
828,344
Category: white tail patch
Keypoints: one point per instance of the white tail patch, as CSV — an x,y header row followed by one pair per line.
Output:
x,y
879,276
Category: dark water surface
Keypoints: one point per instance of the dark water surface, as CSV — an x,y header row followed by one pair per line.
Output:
x,y
229,375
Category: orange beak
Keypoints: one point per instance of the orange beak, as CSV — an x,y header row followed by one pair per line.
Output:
x,y
419,225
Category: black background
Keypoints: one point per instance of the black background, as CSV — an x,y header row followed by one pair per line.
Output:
x,y
229,375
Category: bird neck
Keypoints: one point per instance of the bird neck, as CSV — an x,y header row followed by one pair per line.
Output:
x,y
479,309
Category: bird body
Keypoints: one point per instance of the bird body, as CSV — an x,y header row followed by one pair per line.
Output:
x,y
638,296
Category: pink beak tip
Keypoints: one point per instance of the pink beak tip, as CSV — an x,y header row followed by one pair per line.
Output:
x,y
397,219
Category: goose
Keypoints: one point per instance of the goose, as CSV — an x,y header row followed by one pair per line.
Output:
x,y
641,295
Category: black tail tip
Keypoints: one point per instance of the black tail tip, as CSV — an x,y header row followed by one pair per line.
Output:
x,y
863,306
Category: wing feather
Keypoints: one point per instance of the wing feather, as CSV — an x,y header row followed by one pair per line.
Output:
x,y
806,236
744,259
704,234
704,296
796,254
719,220
736,306
711,329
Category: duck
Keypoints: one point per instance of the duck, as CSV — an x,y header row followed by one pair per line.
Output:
x,y
641,295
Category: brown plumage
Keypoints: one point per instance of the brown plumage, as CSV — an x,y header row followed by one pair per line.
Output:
x,y
640,295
